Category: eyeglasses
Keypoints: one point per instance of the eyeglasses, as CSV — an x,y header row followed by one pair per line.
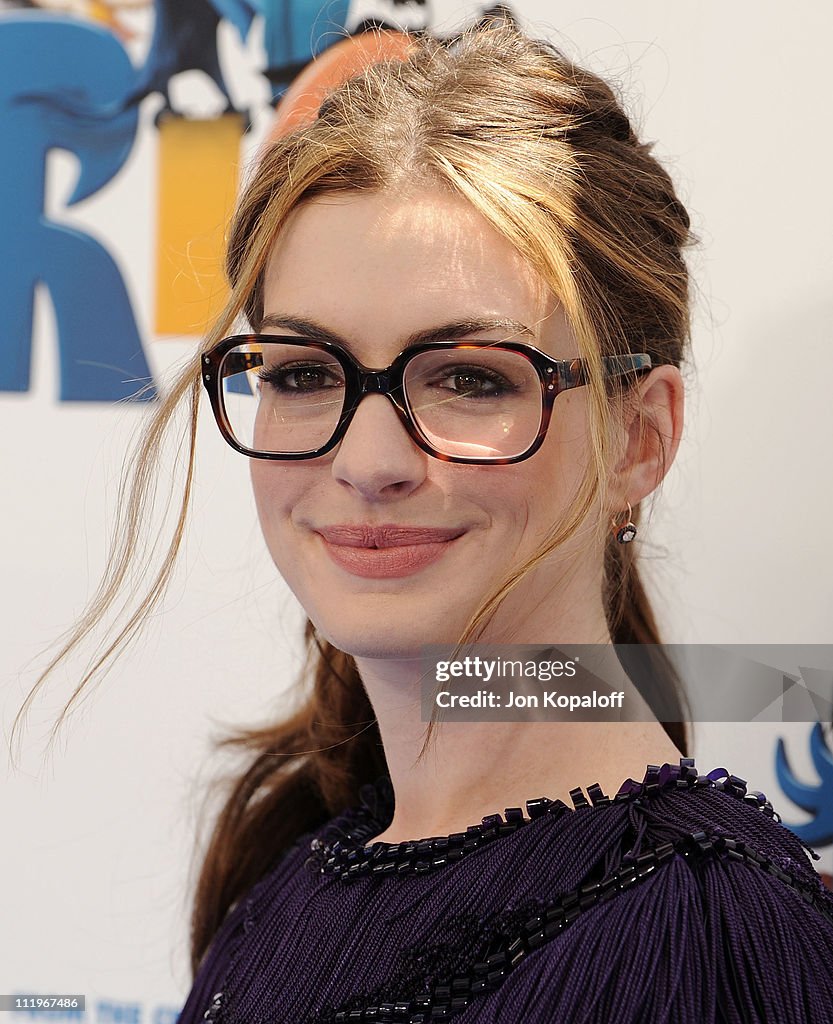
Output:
x,y
479,402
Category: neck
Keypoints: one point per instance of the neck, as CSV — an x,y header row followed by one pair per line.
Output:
x,y
471,769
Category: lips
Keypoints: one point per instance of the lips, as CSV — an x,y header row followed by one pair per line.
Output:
x,y
387,536
376,552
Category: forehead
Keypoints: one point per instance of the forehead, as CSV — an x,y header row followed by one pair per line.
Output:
x,y
376,267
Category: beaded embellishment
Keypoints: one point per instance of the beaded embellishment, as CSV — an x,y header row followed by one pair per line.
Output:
x,y
213,1010
347,859
452,995
346,856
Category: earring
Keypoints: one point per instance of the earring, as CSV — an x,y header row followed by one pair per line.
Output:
x,y
625,533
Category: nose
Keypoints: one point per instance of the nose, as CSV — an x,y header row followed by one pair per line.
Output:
x,y
376,456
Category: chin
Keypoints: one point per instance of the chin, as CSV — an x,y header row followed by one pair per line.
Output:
x,y
389,639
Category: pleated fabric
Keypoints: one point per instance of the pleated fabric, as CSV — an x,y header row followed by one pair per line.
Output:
x,y
683,899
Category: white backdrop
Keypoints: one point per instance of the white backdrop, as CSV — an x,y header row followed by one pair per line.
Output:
x,y
98,842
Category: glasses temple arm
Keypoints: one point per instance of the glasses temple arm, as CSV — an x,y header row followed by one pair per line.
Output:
x,y
574,372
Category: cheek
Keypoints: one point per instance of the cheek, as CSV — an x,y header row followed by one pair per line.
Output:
x,y
569,424
276,489
554,474
261,483
566,452
514,499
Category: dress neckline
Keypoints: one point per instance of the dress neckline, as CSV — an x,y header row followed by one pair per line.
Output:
x,y
345,847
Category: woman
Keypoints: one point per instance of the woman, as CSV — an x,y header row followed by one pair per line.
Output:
x,y
469,305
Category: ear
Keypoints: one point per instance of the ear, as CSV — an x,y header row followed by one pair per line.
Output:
x,y
648,443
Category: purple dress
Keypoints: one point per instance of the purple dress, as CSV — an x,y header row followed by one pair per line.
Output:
x,y
682,900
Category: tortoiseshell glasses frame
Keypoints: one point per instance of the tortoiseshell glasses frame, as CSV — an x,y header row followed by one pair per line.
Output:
x,y
555,376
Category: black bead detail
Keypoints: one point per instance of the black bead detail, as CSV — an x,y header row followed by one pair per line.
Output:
x,y
214,1008
347,858
453,994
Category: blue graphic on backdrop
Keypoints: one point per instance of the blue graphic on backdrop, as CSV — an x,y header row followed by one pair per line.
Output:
x,y
815,800
288,39
66,83
44,57
81,94
185,39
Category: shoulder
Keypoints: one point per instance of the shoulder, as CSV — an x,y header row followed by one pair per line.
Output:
x,y
227,944
706,908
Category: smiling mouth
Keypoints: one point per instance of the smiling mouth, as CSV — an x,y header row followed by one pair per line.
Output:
x,y
388,535
386,552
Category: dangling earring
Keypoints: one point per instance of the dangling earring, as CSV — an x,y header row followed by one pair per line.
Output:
x,y
625,533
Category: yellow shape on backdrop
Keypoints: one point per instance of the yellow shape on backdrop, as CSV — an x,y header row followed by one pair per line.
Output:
x,y
198,174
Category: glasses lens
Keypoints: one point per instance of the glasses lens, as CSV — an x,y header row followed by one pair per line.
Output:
x,y
475,402
282,398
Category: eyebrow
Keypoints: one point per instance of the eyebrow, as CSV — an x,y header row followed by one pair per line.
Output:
x,y
453,331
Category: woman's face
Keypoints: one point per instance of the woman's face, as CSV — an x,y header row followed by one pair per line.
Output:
x,y
374,269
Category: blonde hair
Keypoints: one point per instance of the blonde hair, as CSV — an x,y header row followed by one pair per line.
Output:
x,y
543,150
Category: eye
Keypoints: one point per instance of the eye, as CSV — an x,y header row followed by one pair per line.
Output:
x,y
300,377
472,382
